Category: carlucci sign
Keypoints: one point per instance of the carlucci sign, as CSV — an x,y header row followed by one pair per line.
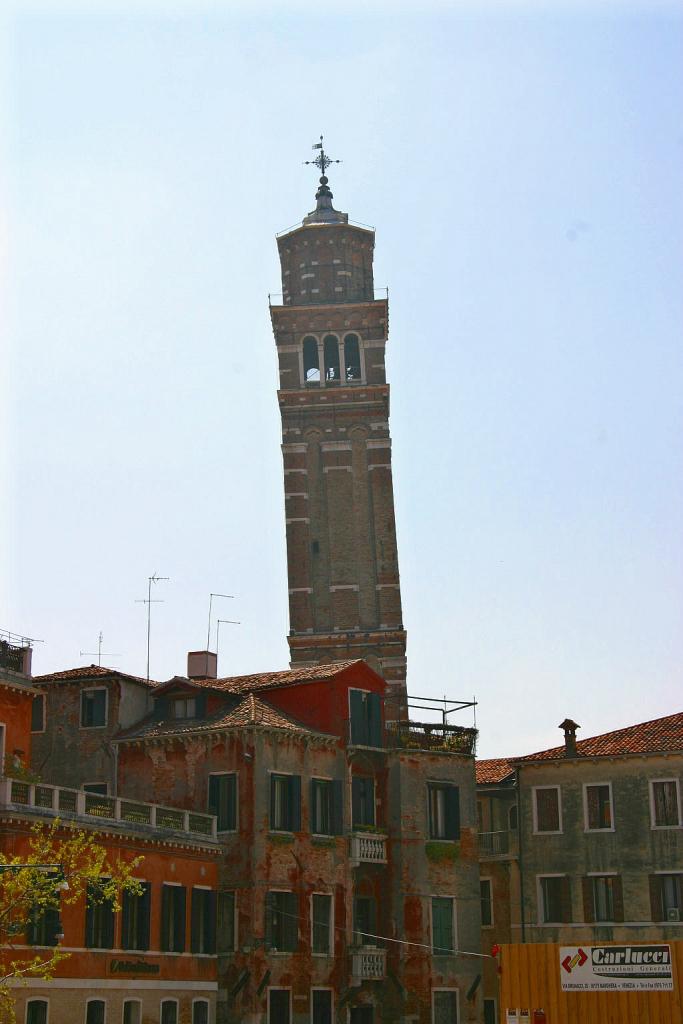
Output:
x,y
617,968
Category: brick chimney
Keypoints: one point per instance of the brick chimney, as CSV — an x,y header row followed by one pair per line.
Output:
x,y
569,737
202,665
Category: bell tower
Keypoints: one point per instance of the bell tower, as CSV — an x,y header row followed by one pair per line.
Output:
x,y
331,335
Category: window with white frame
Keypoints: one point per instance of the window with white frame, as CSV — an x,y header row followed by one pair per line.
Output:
x,y
597,806
486,895
603,898
285,803
36,1011
132,1011
666,897
95,1011
445,1006
547,810
200,1011
226,922
665,803
490,1011
38,713
93,708
279,1006
321,1006
223,800
444,810
169,1011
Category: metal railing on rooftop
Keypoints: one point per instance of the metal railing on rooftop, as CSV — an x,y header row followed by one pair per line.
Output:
x,y
77,803
453,739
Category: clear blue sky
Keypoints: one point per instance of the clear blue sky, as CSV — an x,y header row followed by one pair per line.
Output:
x,y
522,164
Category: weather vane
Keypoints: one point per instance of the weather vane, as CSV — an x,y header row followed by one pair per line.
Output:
x,y
322,160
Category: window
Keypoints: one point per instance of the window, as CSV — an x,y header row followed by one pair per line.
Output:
x,y
282,921
666,897
311,361
200,1011
321,1006
665,803
555,903
223,801
512,824
36,1011
362,801
598,807
443,931
486,894
331,352
362,1015
95,1011
364,921
279,1006
99,920
226,937
44,926
547,815
184,707
131,1011
490,1011
203,931
98,788
365,710
602,898
444,811
321,922
135,913
326,807
285,803
169,1011
352,357
93,709
445,1006
38,713
173,918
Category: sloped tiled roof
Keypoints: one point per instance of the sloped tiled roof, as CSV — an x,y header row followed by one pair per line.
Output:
x,y
271,680
246,711
658,735
494,769
91,672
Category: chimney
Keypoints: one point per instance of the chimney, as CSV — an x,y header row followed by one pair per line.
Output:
x,y
202,665
569,737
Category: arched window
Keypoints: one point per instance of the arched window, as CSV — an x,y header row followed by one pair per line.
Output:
x,y
352,357
311,361
332,358
512,817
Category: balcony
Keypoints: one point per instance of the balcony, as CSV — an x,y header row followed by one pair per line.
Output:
x,y
498,844
368,848
16,794
453,739
369,964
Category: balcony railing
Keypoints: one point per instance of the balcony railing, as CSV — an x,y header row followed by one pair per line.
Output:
x,y
455,739
369,848
61,802
369,964
494,844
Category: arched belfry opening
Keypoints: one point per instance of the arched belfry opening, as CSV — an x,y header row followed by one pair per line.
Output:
x,y
311,360
331,348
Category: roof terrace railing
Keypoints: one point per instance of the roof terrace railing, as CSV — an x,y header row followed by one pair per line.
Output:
x,y
453,739
65,803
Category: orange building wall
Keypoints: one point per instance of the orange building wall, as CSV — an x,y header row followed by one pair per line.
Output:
x,y
15,714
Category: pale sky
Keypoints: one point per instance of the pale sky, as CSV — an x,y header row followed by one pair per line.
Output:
x,y
522,165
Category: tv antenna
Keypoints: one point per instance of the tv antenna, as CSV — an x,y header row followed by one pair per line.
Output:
x,y
91,654
230,597
149,601
219,623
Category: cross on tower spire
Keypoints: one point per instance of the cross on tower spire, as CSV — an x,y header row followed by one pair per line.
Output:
x,y
322,160
324,211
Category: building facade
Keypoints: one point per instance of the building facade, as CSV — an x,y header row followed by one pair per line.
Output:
x,y
342,559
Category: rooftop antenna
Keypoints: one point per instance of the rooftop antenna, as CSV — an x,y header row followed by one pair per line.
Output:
x,y
91,654
208,628
149,601
219,622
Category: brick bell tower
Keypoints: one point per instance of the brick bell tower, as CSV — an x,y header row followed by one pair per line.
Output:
x,y
331,334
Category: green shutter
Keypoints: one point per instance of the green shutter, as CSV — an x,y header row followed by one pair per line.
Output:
x,y
295,803
272,801
166,891
125,920
270,913
179,908
374,718
442,925
231,803
89,919
291,921
359,732
452,802
210,923
144,913
195,939
337,808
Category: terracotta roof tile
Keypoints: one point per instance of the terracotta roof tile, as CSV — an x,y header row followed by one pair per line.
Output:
x,y
271,680
494,769
91,672
660,734
245,711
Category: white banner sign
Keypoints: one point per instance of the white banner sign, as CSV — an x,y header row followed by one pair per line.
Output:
x,y
616,968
